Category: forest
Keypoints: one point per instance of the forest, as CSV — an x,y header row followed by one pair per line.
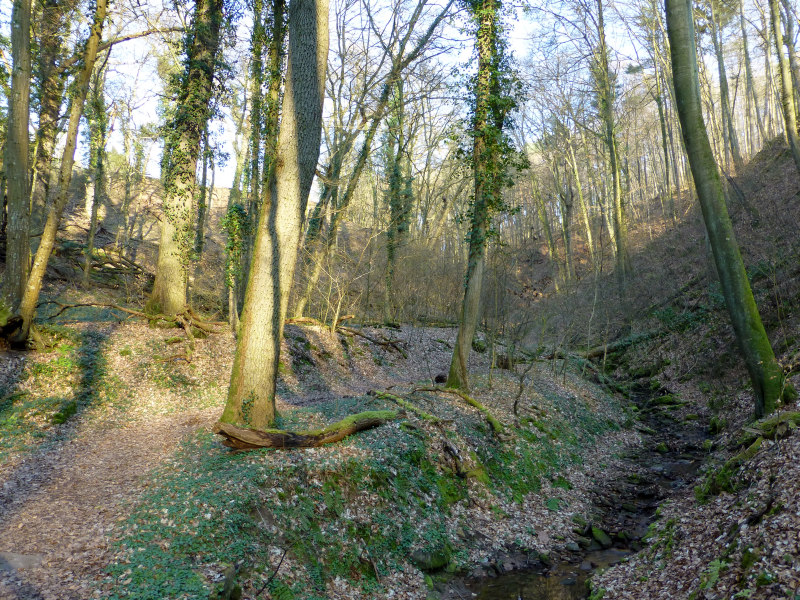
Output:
x,y
425,299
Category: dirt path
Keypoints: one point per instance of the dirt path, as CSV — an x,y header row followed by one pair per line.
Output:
x,y
58,506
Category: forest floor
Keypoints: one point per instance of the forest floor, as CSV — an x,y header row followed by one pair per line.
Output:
x,y
112,486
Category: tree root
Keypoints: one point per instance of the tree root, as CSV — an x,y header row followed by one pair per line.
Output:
x,y
187,320
242,438
497,426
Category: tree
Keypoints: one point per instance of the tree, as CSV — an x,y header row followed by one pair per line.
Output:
x,y
491,157
788,107
27,308
181,153
51,78
16,158
729,136
605,98
396,49
251,396
399,195
766,374
98,132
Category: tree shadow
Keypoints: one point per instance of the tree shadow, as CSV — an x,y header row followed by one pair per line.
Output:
x,y
21,413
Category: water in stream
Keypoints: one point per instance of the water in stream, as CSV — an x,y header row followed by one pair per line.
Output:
x,y
562,582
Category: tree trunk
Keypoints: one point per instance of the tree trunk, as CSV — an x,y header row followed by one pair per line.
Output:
x,y
182,147
53,31
587,225
751,88
729,131
788,39
31,297
606,101
18,252
486,185
98,125
251,397
765,373
787,91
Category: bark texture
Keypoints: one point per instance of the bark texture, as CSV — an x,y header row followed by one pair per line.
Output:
x,y
27,308
765,373
251,397
16,157
182,151
486,41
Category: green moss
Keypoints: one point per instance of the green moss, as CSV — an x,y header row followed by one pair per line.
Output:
x,y
749,558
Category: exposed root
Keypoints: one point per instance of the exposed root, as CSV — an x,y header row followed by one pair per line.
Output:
x,y
187,320
242,438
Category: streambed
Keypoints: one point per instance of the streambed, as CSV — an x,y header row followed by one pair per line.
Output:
x,y
668,460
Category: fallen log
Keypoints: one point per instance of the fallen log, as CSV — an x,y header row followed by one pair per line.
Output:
x,y
403,403
243,438
497,426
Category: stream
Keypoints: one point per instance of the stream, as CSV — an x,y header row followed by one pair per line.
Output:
x,y
668,460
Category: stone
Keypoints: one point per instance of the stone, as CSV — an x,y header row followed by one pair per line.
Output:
x,y
601,537
430,560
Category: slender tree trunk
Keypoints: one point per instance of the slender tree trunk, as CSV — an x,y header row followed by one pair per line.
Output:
x,y
729,131
251,397
27,308
587,225
15,165
202,200
183,148
485,14
98,126
606,100
659,98
765,373
751,88
787,91
794,64
53,31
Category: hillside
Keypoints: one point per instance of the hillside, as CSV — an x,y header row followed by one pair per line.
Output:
x,y
113,485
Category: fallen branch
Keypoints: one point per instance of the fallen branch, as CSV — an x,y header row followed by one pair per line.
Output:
x,y
403,403
497,426
305,321
244,439
394,344
622,344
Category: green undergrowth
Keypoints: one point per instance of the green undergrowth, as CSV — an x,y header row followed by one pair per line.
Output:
x,y
53,387
386,500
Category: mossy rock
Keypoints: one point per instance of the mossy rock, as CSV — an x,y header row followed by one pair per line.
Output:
x,y
601,537
431,559
479,345
662,448
667,400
